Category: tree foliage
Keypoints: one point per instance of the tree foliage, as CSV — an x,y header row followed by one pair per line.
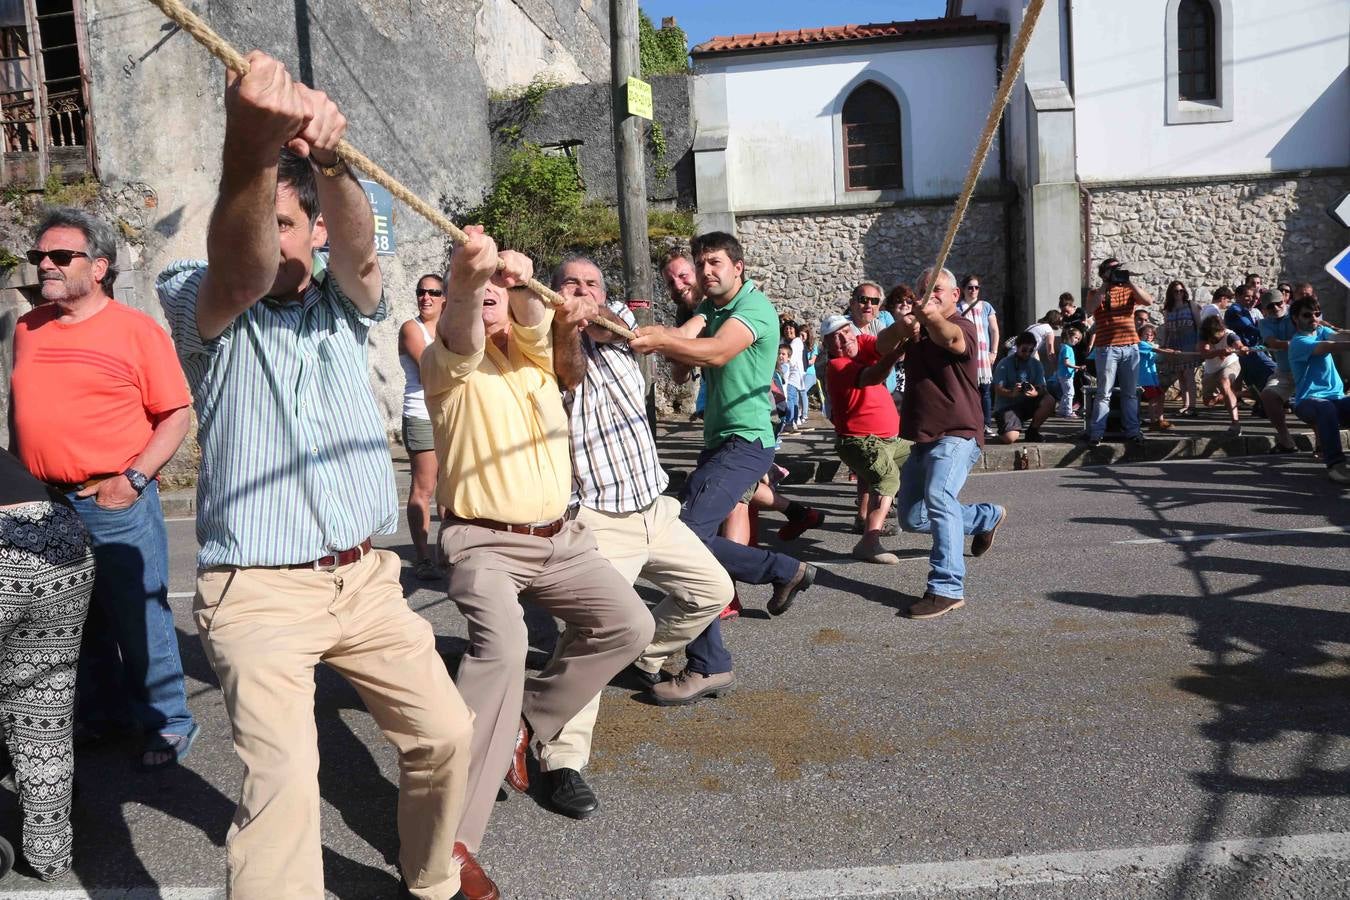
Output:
x,y
661,51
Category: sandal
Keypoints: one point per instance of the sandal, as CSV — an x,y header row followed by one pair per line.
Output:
x,y
177,746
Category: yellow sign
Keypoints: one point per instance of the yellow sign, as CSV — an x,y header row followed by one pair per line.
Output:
x,y
639,98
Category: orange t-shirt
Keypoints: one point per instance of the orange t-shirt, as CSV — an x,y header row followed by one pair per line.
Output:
x,y
85,394
1115,318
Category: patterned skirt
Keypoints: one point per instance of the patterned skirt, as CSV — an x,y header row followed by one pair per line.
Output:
x,y
46,579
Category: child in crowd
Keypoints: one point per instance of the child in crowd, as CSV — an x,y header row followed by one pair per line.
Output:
x,y
783,378
1066,368
1219,349
1148,373
796,386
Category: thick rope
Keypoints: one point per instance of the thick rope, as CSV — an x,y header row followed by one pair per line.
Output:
x,y
1019,51
205,35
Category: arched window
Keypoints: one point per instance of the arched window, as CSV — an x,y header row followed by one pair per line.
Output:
x,y
1195,51
871,139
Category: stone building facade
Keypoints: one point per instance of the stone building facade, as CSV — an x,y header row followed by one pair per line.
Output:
x,y
808,262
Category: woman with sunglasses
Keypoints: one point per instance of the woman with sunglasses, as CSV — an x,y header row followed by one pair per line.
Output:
x,y
976,309
1319,394
413,338
1180,332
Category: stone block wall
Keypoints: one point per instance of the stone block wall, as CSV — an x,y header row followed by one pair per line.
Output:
x,y
1210,234
807,263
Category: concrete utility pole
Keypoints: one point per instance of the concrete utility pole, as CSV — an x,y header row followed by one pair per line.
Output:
x,y
631,168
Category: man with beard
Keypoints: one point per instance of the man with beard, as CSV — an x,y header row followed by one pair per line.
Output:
x,y
98,406
1277,330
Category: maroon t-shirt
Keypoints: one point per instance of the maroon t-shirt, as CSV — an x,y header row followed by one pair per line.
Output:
x,y
942,393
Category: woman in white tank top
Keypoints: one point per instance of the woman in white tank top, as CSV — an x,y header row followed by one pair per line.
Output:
x,y
413,338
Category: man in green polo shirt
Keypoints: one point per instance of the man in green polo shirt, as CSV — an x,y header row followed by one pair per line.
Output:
x,y
733,337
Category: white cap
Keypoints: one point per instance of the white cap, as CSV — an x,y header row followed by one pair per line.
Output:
x,y
831,324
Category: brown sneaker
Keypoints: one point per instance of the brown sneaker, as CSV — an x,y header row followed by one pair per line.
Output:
x,y
690,687
980,544
785,592
932,606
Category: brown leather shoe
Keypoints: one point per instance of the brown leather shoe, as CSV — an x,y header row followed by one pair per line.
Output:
x,y
473,881
932,606
980,544
518,775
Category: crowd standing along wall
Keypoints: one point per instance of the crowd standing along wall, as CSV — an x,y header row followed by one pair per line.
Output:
x,y
807,263
1212,233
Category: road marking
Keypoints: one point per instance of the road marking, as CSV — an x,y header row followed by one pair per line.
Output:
x,y
181,519
181,595
985,874
137,893
1233,535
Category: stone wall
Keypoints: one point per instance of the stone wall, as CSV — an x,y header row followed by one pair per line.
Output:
x,y
1212,233
565,41
808,263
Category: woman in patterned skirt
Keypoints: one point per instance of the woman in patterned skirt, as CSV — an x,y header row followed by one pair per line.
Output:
x,y
1180,332
46,578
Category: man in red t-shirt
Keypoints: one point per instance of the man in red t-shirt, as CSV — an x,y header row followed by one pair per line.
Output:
x,y
98,404
867,426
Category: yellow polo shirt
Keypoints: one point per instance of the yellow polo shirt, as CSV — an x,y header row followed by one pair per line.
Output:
x,y
500,428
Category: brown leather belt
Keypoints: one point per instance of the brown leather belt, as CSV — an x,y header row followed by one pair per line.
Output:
x,y
335,560
67,487
544,530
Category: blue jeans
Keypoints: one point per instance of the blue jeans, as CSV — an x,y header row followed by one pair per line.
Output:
x,y
794,404
716,485
1117,367
129,663
1326,417
987,402
930,483
702,400
1256,368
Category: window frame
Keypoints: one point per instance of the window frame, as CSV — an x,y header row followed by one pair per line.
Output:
x,y
885,95
1181,110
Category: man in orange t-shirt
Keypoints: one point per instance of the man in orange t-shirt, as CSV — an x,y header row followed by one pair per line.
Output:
x,y
98,405
1117,347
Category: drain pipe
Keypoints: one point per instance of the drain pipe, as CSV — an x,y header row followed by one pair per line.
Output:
x,y
1010,204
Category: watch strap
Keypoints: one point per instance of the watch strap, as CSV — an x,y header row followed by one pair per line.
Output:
x,y
139,480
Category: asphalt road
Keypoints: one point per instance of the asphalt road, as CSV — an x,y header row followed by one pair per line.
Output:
x,y
1133,703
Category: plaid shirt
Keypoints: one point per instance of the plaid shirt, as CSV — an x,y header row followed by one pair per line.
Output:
x,y
614,464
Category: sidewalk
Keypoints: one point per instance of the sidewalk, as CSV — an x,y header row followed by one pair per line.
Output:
x,y
810,457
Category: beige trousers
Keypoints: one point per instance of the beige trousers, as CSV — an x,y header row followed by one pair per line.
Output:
x,y
264,631
656,545
565,575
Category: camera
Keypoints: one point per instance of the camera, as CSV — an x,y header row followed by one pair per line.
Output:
x,y
1023,386
1118,275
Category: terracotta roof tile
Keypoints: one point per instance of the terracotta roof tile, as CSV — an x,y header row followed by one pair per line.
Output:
x,y
835,34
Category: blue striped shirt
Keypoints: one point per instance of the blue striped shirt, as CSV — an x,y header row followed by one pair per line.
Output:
x,y
295,459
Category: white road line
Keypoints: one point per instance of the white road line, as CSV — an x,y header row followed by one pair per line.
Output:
x,y
137,893
1234,535
180,595
181,519
984,874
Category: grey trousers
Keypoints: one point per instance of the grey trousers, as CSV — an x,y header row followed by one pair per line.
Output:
x,y
565,575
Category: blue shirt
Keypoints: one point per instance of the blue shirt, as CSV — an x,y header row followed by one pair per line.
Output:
x,y
1315,377
1066,361
295,456
1148,364
1241,322
1281,329
1011,371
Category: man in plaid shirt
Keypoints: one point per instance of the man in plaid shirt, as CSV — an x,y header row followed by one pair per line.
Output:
x,y
617,484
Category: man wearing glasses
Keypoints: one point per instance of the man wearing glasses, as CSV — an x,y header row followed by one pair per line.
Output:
x,y
1277,329
867,316
98,406
1319,394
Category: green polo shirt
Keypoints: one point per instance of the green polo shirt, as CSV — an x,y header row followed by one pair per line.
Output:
x,y
738,392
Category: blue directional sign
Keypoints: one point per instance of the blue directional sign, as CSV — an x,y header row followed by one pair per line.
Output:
x,y
382,206
1340,267
1341,211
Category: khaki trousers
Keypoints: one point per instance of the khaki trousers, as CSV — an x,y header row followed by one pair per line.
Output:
x,y
264,631
565,575
656,545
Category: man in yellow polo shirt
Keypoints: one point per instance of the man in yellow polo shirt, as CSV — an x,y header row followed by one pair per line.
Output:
x,y
502,442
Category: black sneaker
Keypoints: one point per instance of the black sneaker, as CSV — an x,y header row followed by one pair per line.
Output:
x,y
1034,436
1088,441
1136,440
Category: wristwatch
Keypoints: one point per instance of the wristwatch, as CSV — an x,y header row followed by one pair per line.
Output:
x,y
139,480
337,168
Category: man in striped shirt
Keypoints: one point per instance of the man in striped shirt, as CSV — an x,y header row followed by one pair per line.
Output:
x,y
617,485
295,478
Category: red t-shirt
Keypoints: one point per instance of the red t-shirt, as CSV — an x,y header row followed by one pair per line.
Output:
x,y
860,411
85,394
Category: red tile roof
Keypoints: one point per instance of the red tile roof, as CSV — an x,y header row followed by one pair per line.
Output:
x,y
841,34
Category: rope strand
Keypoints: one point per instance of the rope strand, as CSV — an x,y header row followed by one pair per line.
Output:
x,y
205,35
1001,97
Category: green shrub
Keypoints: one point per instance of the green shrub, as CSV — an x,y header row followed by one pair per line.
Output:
x,y
661,51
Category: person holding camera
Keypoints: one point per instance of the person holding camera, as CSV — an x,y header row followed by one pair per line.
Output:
x,y
1021,401
1117,345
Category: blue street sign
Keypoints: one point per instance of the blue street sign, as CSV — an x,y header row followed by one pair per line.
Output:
x,y
1340,267
382,206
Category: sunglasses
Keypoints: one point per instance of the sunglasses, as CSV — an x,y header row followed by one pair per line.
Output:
x,y
430,291
61,258
972,287
869,301
1275,304
1306,314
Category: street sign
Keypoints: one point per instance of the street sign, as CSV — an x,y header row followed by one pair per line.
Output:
x,y
382,207
1341,211
1340,267
639,98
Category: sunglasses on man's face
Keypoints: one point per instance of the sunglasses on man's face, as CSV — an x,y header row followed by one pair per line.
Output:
x,y
61,258
432,292
1306,314
869,301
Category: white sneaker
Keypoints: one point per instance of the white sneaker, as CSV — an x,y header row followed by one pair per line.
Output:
x,y
1339,473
